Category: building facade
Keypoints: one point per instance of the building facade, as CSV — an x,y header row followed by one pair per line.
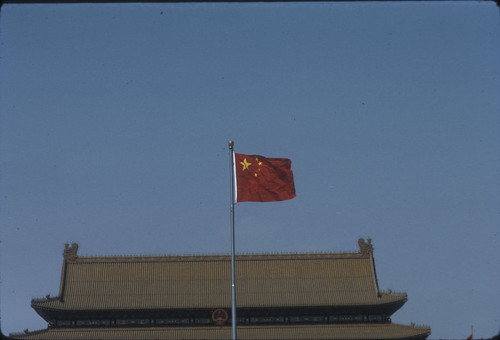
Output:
x,y
323,296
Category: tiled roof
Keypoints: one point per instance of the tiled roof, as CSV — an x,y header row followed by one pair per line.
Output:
x,y
298,332
176,282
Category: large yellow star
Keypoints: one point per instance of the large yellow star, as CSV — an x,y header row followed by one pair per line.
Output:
x,y
245,164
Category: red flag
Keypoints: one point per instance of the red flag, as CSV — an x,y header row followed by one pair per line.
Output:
x,y
261,179
470,337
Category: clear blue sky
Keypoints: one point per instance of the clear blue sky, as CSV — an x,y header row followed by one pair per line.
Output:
x,y
114,122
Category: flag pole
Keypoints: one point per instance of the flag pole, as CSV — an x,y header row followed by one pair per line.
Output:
x,y
233,285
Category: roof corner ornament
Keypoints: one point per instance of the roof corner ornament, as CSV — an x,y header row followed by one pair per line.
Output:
x,y
69,253
366,248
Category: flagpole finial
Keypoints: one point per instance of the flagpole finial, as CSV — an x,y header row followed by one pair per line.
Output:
x,y
231,144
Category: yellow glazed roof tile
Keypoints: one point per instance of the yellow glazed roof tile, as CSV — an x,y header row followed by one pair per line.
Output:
x,y
176,282
299,332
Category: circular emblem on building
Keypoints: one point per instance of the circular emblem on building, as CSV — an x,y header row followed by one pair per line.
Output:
x,y
219,317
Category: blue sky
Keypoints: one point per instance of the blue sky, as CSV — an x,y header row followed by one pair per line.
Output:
x,y
114,122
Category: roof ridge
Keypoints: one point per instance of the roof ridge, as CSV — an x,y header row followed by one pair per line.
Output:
x,y
70,253
227,254
219,257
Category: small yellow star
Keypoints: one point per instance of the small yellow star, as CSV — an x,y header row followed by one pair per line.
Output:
x,y
245,164
259,163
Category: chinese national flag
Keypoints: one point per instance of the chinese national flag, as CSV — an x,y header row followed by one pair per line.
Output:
x,y
261,179
470,337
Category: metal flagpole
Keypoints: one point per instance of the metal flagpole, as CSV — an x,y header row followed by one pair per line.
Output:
x,y
233,285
